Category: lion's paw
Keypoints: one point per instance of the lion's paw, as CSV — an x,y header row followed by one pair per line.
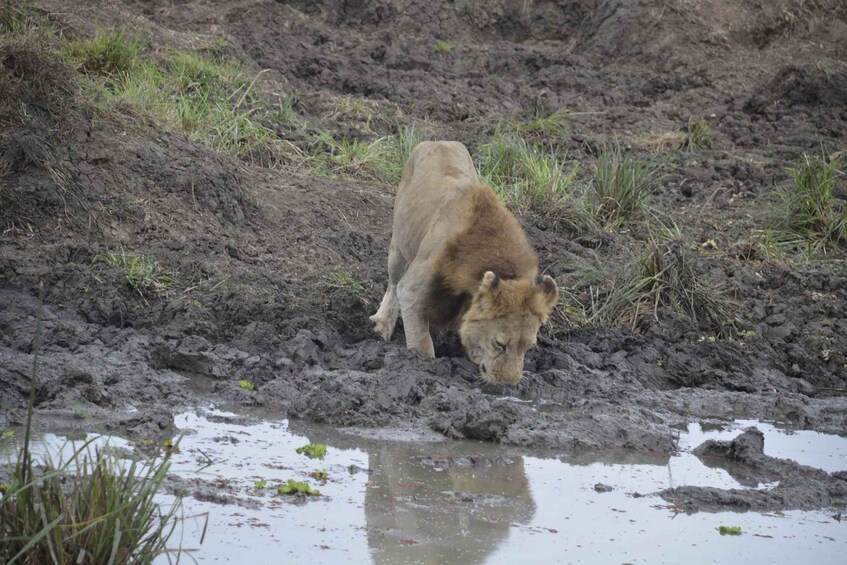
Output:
x,y
382,326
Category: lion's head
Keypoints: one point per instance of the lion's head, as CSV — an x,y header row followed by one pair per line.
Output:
x,y
503,321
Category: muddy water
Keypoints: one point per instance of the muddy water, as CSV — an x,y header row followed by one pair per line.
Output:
x,y
400,497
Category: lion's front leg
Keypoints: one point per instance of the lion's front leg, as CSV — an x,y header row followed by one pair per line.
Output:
x,y
417,332
411,295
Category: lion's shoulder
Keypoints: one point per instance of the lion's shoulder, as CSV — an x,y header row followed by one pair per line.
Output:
x,y
489,238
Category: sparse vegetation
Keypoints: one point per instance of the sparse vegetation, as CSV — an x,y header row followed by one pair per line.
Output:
x,y
698,135
312,450
553,126
343,281
246,385
621,184
260,484
661,141
143,275
286,113
208,98
294,487
568,315
556,125
320,475
381,160
808,209
730,530
110,53
443,47
663,276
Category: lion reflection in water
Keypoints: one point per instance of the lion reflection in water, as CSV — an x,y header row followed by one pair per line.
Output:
x,y
452,510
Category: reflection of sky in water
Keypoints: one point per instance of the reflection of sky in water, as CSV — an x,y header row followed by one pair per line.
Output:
x,y
418,508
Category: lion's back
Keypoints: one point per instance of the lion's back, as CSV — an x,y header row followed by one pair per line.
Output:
x,y
430,192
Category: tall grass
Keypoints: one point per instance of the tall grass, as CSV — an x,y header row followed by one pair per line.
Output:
x,y
381,160
88,509
663,276
807,207
621,185
15,18
527,176
110,53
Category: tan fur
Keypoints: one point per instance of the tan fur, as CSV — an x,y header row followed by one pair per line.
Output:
x,y
459,259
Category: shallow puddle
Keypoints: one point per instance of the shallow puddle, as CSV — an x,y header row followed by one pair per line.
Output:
x,y
404,498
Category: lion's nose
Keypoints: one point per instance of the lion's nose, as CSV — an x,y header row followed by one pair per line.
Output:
x,y
511,379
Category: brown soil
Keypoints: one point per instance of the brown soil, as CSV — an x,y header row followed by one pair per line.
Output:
x,y
250,246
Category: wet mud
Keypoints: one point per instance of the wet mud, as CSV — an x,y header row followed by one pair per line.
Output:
x,y
249,245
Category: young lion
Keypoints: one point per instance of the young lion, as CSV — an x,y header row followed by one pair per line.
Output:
x,y
459,260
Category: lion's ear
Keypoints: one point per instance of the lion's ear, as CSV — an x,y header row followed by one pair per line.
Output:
x,y
548,290
488,291
490,283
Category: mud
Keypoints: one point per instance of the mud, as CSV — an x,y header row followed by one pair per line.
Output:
x,y
248,246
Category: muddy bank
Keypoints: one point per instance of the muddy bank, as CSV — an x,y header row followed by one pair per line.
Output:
x,y
570,397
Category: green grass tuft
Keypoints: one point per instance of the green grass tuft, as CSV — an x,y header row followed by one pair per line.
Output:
x,y
343,281
365,160
443,47
381,160
556,125
91,505
143,275
808,210
527,176
246,385
621,185
109,53
698,134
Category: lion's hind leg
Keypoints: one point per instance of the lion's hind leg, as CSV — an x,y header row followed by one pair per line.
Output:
x,y
386,317
389,309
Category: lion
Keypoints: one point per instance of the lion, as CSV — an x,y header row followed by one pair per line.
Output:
x,y
459,260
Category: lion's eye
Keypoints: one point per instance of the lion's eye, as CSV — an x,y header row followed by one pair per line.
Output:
x,y
500,346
